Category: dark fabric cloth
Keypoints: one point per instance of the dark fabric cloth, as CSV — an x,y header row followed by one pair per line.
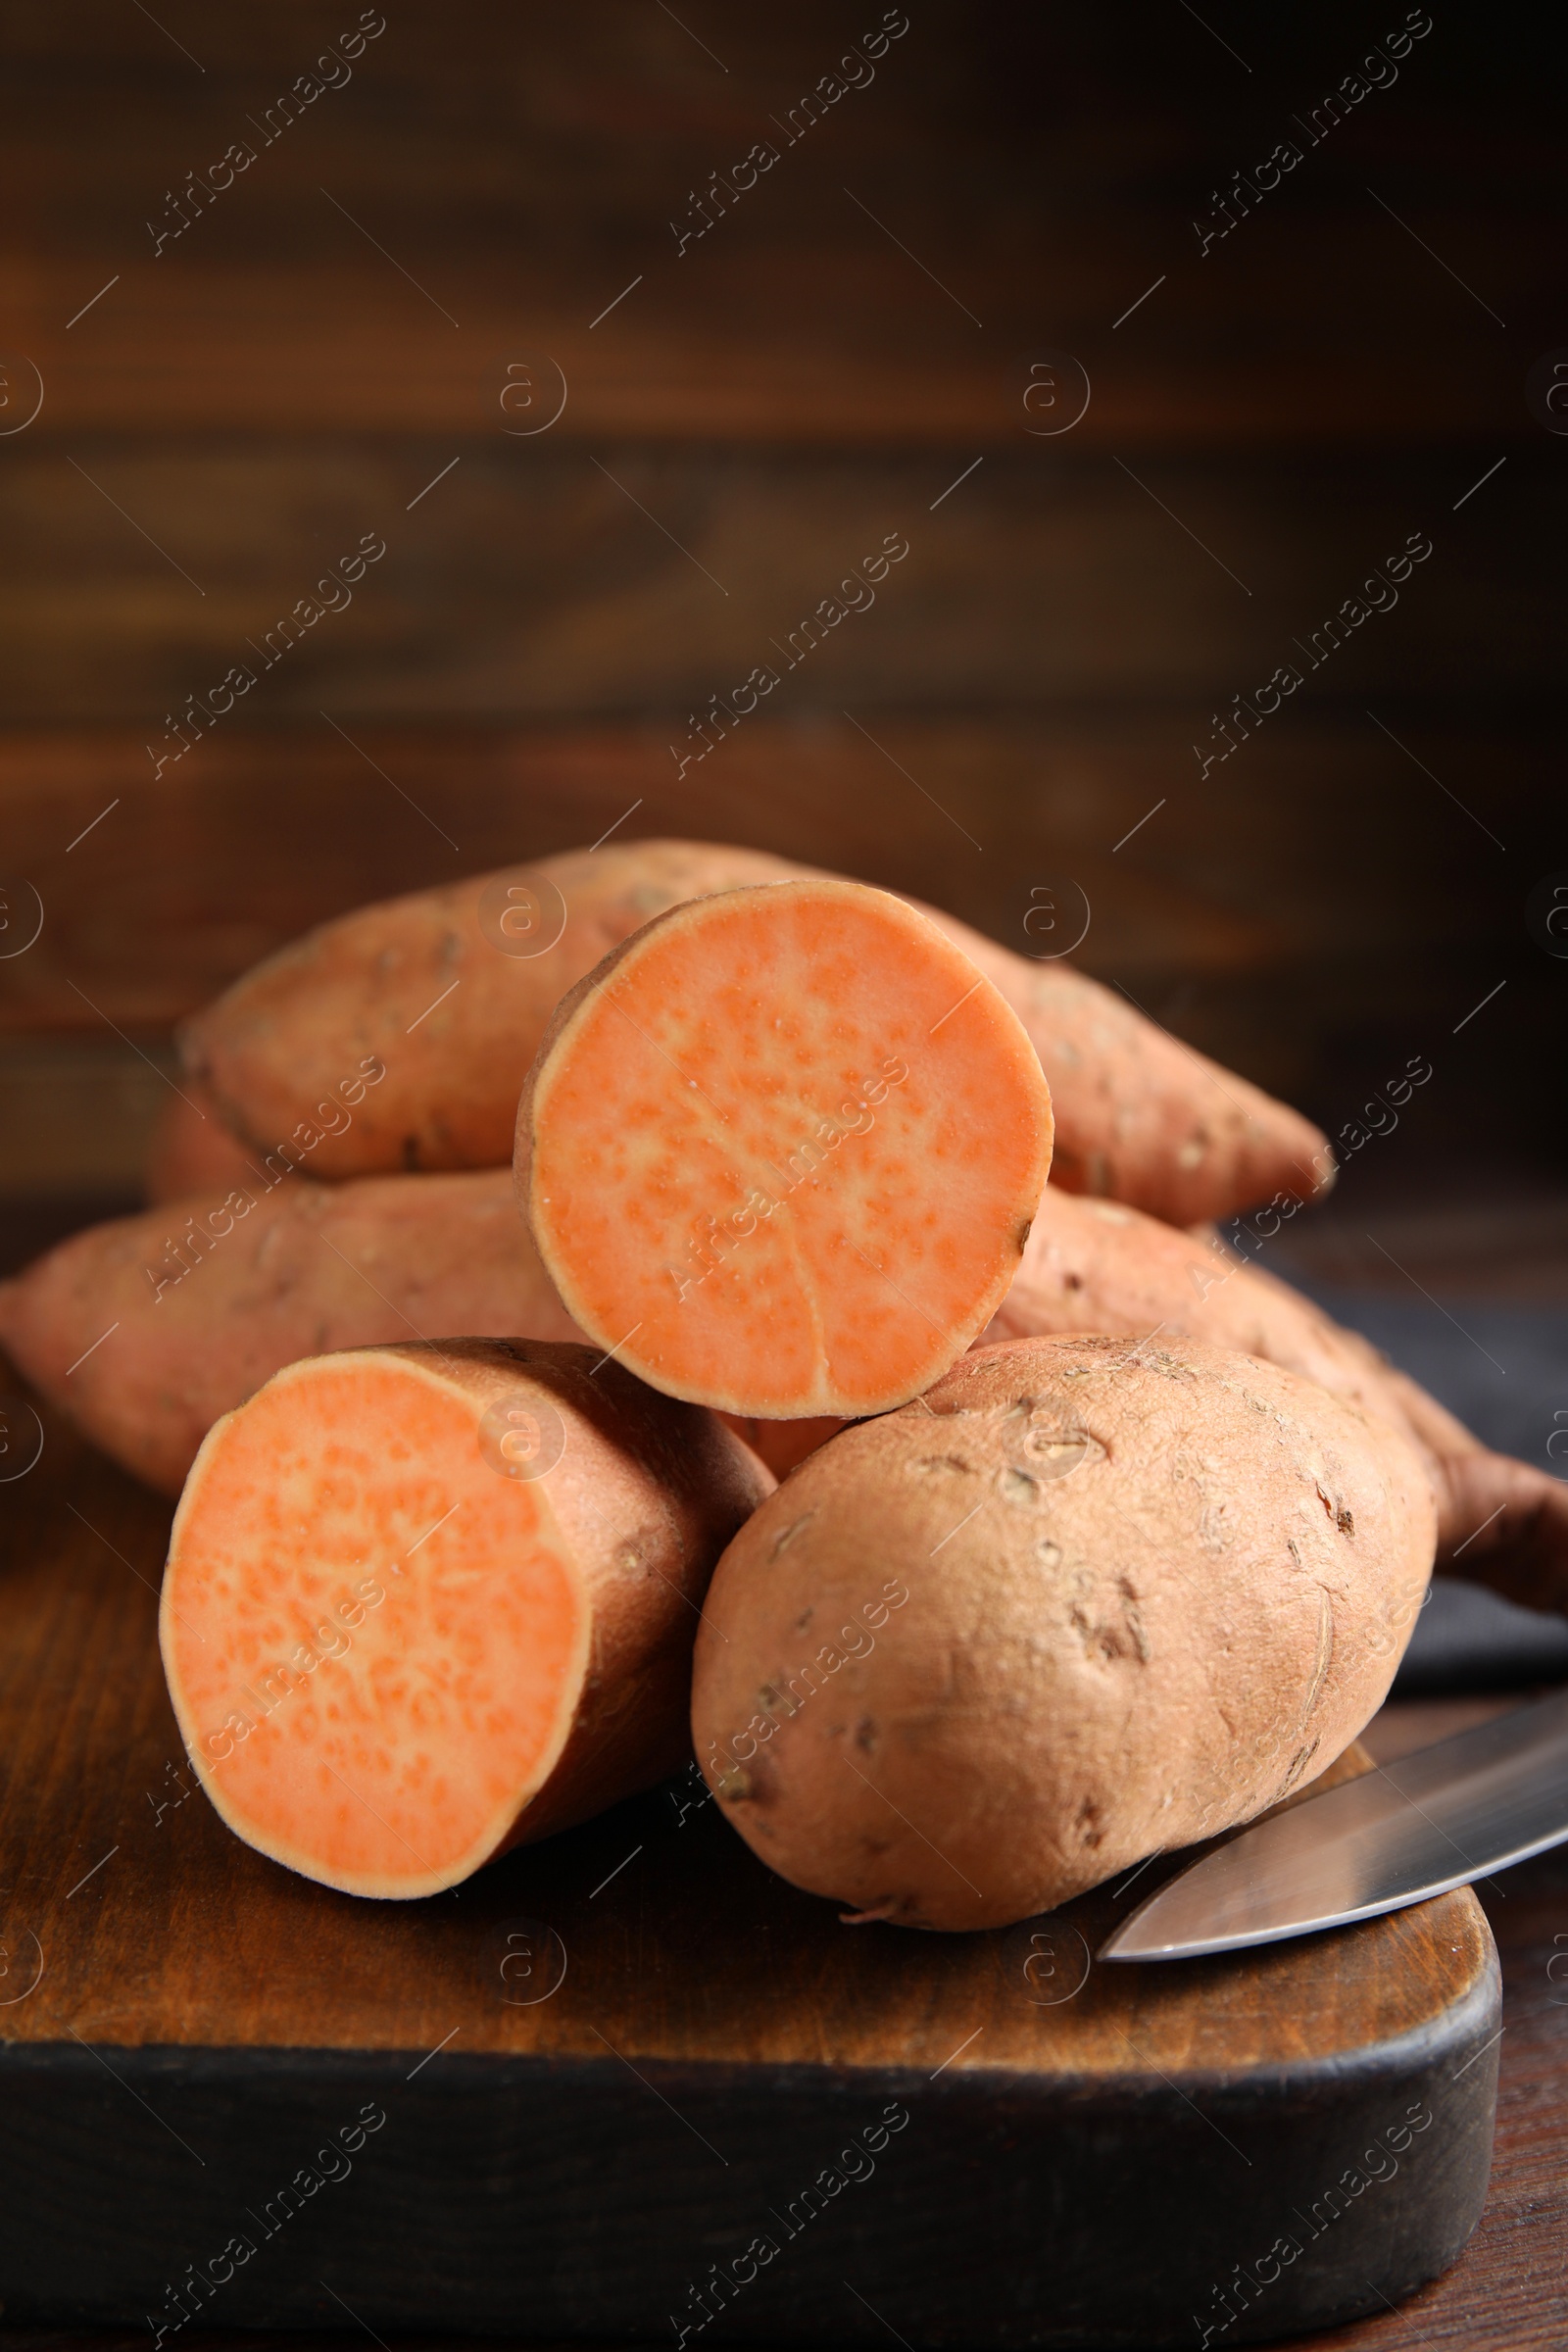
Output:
x,y
1505,1371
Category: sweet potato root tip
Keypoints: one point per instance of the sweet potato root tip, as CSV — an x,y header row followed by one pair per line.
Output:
x,y
422,1603
1081,1601
780,1152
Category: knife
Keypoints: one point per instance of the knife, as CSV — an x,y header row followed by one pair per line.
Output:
x,y
1403,1832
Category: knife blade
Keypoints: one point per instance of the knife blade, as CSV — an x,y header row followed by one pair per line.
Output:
x,y
1435,1820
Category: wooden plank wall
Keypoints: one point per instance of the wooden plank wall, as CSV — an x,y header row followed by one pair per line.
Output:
x,y
247,371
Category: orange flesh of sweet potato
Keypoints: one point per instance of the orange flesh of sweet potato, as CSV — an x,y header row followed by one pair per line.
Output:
x,y
398,1761
781,1152
392,1656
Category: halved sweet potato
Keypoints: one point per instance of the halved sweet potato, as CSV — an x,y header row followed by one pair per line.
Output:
x,y
425,1603
781,1150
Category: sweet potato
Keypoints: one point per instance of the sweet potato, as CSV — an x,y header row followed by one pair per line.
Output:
x,y
191,1152
424,1603
398,1037
1082,1600
145,1329
1141,1116
780,1151
1097,1266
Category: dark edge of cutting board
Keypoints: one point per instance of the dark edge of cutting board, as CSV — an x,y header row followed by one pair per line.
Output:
x,y
552,2196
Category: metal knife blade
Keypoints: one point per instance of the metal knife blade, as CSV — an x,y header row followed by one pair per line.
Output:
x,y
1435,1820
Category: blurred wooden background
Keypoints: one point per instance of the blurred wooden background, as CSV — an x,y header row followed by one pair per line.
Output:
x,y
325,351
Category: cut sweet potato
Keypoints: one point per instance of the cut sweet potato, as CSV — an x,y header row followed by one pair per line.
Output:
x,y
144,1330
425,1603
448,994
781,1150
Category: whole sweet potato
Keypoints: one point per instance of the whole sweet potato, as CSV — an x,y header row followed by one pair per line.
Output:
x,y
399,1037
191,1151
1079,1602
144,1331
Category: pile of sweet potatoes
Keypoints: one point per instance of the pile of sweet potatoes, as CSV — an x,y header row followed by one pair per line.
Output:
x,y
511,1242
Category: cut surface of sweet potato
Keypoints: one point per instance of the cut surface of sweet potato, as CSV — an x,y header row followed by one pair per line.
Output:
x,y
424,1603
781,1152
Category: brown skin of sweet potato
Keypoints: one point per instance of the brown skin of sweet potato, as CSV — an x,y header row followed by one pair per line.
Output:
x,y
1097,1266
645,1492
308,1269
191,1152
1144,1593
418,988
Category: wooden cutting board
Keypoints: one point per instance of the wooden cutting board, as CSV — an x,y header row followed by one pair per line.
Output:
x,y
630,2084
